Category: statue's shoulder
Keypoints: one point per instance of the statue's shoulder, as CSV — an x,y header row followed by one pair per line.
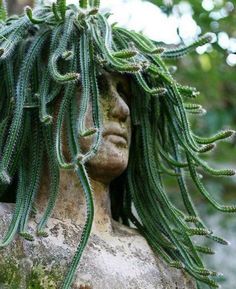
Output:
x,y
6,212
6,209
139,263
121,259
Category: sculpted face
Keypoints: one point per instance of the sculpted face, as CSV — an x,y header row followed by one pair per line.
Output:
x,y
112,157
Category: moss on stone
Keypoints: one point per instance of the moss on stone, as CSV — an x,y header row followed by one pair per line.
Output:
x,y
40,277
9,276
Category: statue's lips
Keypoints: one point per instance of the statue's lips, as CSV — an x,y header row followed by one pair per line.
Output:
x,y
116,136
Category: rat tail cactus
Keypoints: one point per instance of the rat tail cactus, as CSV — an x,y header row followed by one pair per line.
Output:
x,y
45,55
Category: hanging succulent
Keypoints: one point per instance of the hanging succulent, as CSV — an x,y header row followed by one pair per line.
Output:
x,y
44,56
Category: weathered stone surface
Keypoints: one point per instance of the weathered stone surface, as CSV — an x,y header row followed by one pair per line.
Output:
x,y
111,261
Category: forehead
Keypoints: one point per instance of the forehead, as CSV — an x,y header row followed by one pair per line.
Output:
x,y
113,81
114,77
110,82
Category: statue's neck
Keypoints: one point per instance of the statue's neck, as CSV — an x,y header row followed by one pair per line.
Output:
x,y
71,202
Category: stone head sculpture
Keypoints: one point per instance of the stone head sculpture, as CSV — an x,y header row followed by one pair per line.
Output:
x,y
70,77
112,156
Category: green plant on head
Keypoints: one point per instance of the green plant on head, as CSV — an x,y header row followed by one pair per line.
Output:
x,y
79,42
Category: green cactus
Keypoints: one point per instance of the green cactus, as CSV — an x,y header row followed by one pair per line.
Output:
x,y
78,43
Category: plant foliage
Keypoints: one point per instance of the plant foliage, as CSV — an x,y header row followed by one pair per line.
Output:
x,y
45,54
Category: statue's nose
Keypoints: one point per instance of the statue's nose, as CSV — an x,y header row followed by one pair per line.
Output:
x,y
119,108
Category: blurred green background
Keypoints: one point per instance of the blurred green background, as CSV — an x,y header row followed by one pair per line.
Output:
x,y
212,70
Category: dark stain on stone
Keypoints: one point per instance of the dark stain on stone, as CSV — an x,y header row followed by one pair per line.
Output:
x,y
55,230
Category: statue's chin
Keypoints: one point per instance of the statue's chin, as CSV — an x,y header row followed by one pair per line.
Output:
x,y
110,161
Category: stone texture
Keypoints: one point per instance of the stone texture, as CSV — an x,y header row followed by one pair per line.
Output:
x,y
119,260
